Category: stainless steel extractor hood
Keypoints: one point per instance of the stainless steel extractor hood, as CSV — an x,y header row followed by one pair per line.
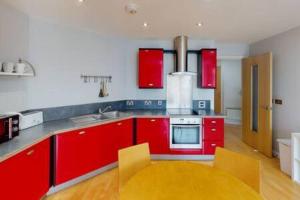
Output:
x,y
181,60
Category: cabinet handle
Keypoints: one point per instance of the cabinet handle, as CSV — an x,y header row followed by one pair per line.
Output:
x,y
209,84
152,120
81,133
119,124
213,130
213,122
213,145
29,153
150,84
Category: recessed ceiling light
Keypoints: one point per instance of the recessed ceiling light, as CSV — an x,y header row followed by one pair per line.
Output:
x,y
81,1
199,24
145,24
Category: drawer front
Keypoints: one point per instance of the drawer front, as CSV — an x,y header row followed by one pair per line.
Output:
x,y
213,122
213,133
210,146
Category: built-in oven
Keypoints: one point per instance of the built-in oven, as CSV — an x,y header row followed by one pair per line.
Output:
x,y
185,133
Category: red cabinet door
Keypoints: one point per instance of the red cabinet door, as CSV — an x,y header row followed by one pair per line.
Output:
x,y
26,175
210,146
208,68
77,153
124,131
155,131
151,68
115,136
213,128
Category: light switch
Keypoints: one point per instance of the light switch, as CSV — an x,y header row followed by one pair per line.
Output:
x,y
201,104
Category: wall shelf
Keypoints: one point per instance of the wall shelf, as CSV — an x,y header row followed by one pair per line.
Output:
x,y
15,74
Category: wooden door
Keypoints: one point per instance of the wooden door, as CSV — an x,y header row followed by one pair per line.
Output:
x,y
218,93
257,102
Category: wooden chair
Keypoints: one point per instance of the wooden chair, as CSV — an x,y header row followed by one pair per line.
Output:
x,y
131,160
243,167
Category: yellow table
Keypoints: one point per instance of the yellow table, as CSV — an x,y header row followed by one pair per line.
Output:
x,y
176,180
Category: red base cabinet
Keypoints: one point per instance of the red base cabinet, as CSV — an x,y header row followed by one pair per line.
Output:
x,y
77,152
151,68
155,131
213,133
114,136
26,175
82,151
207,68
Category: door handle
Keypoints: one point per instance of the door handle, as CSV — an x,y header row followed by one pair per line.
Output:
x,y
150,84
152,120
267,108
81,133
29,153
119,124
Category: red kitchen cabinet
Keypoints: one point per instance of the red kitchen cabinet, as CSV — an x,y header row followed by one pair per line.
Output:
x,y
210,146
213,134
207,68
84,150
151,68
115,136
77,153
26,175
213,128
155,131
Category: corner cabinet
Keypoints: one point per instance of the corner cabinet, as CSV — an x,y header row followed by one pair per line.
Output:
x,y
27,174
154,131
151,68
207,68
82,151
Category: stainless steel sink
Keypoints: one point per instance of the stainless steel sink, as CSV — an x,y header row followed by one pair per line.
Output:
x,y
85,119
111,115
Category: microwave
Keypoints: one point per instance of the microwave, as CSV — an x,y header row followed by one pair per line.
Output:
x,y
9,127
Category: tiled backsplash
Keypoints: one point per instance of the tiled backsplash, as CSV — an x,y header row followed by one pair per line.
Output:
x,y
64,112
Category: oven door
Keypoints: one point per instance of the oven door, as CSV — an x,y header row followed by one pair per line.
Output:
x,y
185,136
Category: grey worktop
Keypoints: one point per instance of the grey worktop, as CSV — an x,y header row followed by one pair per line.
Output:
x,y
31,136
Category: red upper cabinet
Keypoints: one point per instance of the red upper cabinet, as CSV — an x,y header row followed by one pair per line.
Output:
x,y
26,175
207,68
154,131
151,68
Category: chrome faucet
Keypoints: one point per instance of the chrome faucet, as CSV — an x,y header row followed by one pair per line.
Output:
x,y
104,110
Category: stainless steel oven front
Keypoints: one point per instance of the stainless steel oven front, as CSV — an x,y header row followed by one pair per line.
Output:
x,y
185,133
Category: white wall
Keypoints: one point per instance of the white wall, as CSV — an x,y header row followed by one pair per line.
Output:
x,y
231,83
61,53
14,33
286,71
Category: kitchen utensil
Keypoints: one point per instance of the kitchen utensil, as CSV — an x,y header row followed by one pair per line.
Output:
x,y
20,68
8,67
101,94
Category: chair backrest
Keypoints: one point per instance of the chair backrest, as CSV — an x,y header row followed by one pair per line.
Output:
x,y
131,160
243,167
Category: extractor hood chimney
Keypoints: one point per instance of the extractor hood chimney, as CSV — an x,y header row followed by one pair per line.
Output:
x,y
181,63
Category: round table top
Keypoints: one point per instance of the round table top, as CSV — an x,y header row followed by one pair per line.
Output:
x,y
177,180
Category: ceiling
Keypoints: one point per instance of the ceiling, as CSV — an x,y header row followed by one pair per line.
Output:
x,y
223,20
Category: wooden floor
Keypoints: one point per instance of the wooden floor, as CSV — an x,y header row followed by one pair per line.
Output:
x,y
275,184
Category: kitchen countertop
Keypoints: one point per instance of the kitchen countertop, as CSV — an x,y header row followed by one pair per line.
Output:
x,y
34,135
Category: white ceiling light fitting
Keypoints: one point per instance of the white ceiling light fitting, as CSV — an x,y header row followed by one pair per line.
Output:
x,y
131,8
80,2
145,24
199,24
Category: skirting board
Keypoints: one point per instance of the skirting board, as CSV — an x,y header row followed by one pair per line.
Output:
x,y
81,178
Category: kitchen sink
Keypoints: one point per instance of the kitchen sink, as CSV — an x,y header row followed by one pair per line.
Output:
x,y
111,115
86,119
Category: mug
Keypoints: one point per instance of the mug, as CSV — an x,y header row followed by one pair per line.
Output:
x,y
8,67
20,68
